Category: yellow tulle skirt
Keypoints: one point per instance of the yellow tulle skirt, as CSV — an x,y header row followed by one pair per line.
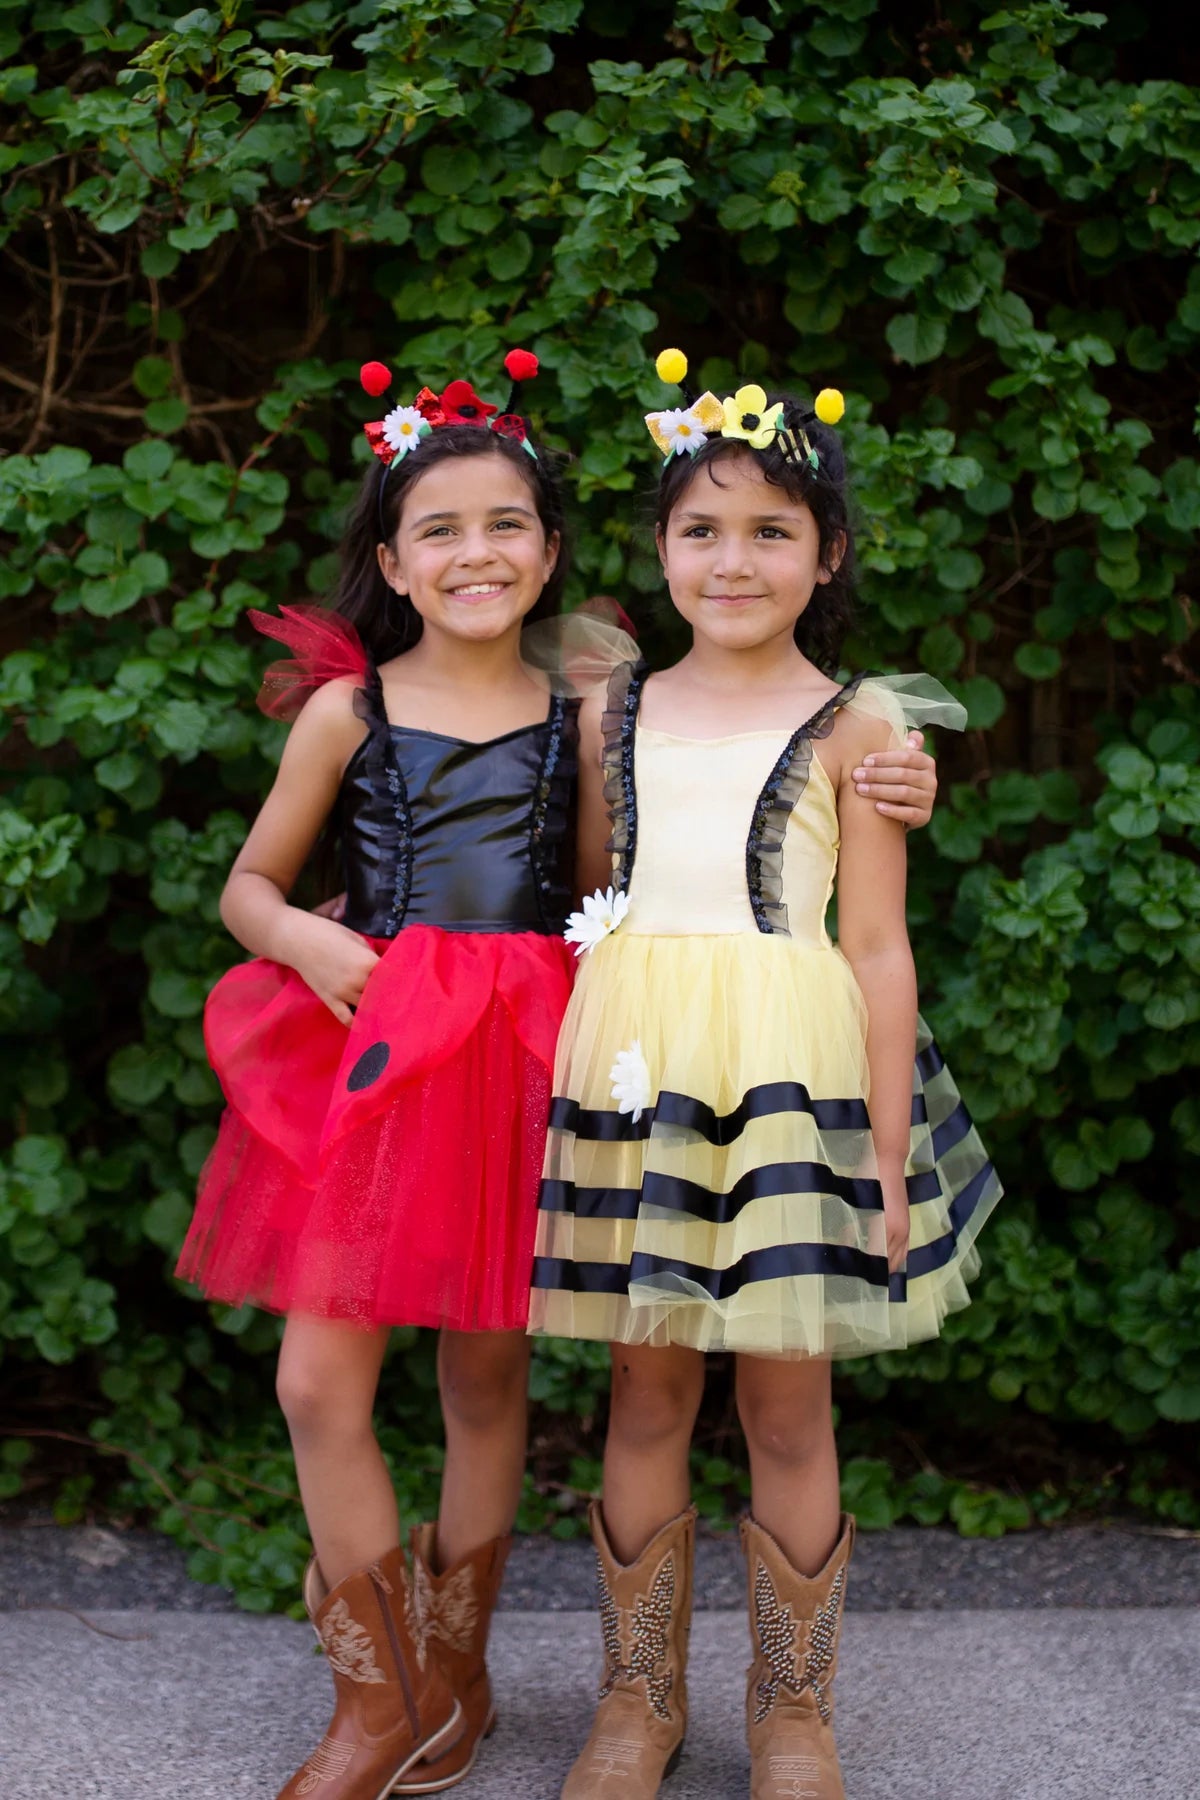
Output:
x,y
741,1210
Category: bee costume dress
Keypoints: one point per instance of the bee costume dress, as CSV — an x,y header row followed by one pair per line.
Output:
x,y
730,1200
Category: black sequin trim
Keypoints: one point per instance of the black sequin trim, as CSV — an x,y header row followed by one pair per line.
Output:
x,y
540,845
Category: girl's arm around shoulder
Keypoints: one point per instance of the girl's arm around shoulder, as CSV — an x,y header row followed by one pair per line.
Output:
x,y
873,937
254,904
593,861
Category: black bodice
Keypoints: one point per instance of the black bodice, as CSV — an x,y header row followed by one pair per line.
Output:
x,y
468,837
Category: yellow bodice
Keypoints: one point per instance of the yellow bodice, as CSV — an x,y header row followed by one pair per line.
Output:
x,y
696,811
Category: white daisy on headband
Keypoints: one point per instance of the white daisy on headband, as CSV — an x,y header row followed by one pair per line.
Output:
x,y
679,431
602,913
403,429
630,1077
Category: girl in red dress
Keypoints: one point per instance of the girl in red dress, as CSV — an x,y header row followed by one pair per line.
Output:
x,y
387,1076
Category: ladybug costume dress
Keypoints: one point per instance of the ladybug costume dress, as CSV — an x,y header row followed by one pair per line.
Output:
x,y
387,1174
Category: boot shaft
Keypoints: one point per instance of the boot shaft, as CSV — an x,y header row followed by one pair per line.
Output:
x,y
376,1649
795,1626
455,1605
646,1614
645,1617
393,1704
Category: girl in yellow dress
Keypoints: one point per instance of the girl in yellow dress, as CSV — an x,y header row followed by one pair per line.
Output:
x,y
754,1144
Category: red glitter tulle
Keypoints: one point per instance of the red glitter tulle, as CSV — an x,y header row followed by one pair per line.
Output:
x,y
386,1174
324,646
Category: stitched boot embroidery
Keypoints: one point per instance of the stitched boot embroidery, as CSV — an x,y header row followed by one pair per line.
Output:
x,y
348,1647
328,1762
649,1629
777,1633
449,1612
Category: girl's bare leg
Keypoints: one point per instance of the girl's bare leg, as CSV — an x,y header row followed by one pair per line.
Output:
x,y
786,1412
326,1382
484,1378
655,1398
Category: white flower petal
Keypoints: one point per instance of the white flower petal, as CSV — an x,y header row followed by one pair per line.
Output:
x,y
602,913
404,427
631,1086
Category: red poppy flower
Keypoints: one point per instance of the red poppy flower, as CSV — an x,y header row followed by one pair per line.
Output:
x,y
462,405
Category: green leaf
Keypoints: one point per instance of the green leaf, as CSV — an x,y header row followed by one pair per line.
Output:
x,y
1038,661
510,256
915,337
159,260
1127,769
449,170
168,415
152,376
148,461
1134,819
984,701
136,1075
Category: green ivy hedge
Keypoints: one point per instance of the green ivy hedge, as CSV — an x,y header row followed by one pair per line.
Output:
x,y
982,225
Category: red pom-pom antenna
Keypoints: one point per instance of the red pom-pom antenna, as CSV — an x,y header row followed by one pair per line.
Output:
x,y
522,365
375,377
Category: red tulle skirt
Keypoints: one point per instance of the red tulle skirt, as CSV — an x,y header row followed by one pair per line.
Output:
x,y
386,1174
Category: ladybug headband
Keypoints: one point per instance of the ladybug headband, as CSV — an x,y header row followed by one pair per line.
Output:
x,y
405,428
745,415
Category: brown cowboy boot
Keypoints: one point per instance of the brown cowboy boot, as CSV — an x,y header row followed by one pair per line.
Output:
x,y
794,1627
392,1702
645,1614
456,1609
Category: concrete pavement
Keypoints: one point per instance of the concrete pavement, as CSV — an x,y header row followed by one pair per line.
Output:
x,y
1012,1705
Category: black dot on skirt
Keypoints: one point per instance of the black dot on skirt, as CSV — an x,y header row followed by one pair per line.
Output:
x,y
369,1067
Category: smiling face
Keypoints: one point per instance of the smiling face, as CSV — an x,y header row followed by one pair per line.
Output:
x,y
470,551
741,557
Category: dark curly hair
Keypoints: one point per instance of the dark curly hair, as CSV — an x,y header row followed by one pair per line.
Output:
x,y
388,623
822,627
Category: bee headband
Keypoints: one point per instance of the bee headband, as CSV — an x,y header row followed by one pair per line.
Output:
x,y
685,430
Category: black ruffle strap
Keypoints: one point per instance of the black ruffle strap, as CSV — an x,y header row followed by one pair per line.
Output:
x,y
774,807
619,727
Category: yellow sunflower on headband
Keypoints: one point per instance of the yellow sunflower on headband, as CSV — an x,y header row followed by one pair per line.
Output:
x,y
748,416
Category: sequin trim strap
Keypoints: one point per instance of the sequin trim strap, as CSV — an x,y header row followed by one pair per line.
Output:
x,y
619,727
550,820
385,768
773,808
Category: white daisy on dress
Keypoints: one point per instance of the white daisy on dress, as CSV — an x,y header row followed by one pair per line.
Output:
x,y
404,428
601,915
630,1077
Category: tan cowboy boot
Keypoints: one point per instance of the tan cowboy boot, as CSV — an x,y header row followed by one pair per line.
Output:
x,y
393,1704
645,1615
794,1627
456,1609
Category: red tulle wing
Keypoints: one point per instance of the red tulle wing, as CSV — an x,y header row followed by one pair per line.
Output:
x,y
324,646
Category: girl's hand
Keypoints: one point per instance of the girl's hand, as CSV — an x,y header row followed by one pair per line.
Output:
x,y
334,909
902,783
335,962
896,1219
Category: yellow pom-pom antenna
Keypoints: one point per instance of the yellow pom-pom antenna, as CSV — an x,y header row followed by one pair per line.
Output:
x,y
671,365
829,406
